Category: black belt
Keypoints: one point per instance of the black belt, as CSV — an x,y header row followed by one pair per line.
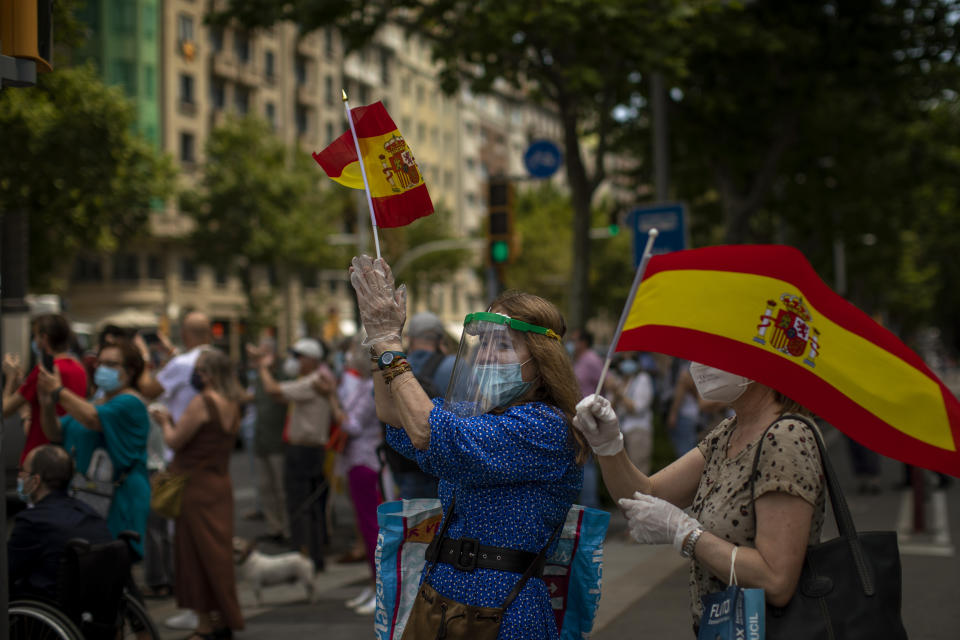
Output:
x,y
467,554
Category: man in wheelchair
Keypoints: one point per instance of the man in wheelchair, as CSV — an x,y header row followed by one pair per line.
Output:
x,y
69,578
39,537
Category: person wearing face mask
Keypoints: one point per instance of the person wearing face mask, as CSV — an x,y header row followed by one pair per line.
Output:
x,y
39,536
772,519
501,443
632,399
202,440
53,339
118,423
311,394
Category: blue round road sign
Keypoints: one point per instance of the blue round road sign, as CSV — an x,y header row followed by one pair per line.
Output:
x,y
542,158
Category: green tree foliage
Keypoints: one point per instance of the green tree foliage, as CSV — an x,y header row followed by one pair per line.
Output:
x,y
76,167
259,203
810,122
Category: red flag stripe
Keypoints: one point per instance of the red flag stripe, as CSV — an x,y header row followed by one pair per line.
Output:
x,y
372,120
395,211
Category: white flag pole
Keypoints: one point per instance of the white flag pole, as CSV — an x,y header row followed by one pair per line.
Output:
x,y
363,171
644,259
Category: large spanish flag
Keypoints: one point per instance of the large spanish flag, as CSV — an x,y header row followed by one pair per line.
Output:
x,y
762,312
396,185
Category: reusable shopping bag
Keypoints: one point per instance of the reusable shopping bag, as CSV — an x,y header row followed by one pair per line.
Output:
x,y
406,528
734,613
572,573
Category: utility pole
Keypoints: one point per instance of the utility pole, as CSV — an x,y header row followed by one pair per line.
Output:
x,y
661,149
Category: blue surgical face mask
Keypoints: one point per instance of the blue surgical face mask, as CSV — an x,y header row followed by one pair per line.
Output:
x,y
21,493
106,378
501,384
628,367
570,348
37,351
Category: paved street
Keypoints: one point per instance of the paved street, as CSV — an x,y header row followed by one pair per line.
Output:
x,y
644,588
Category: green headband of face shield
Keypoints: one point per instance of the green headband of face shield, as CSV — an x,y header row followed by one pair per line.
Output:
x,y
513,323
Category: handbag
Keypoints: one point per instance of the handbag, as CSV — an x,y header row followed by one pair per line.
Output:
x,y
436,616
733,613
96,487
166,493
850,586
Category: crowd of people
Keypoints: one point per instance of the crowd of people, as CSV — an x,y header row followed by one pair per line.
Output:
x,y
402,415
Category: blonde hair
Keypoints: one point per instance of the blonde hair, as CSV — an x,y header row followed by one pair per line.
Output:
x,y
221,373
558,383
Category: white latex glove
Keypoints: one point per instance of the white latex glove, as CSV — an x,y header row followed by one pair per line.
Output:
x,y
598,423
655,521
383,309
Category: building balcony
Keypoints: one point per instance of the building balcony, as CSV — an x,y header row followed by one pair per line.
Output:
x,y
249,75
307,94
225,66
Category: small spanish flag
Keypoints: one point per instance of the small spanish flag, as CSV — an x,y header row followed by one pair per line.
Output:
x,y
397,187
762,312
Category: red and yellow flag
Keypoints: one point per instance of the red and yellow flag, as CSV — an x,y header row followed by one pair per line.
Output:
x,y
762,312
396,185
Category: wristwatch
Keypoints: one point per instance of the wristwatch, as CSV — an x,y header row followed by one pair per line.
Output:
x,y
690,544
387,357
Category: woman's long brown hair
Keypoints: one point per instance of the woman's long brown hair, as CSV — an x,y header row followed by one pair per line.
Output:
x,y
558,383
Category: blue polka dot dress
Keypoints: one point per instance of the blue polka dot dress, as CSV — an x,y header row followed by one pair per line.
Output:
x,y
515,477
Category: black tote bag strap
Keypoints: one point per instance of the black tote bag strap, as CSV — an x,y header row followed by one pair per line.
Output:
x,y
531,569
841,512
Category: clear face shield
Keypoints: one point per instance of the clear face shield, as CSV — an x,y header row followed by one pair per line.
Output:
x,y
489,371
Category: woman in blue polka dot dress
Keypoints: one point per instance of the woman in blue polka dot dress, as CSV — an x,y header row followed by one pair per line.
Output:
x,y
501,443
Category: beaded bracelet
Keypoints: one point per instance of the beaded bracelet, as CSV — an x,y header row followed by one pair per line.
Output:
x,y
395,370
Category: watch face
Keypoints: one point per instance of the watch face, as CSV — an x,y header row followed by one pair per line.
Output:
x,y
387,358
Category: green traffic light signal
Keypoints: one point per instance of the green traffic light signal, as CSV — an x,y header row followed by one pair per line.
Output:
x,y
614,229
499,251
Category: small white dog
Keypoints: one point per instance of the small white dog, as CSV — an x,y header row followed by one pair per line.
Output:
x,y
261,570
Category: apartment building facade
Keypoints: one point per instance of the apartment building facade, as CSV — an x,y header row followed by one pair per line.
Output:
x,y
191,76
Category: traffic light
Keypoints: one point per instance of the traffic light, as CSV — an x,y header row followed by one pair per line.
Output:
x,y
500,238
26,31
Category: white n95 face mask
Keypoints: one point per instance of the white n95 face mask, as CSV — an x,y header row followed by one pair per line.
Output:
x,y
717,385
291,367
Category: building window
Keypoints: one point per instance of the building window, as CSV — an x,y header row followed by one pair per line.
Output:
x,y
272,275
330,134
303,119
328,89
126,17
154,267
310,278
328,41
218,93
187,151
126,266
268,65
216,39
186,88
241,100
300,69
188,270
184,27
149,81
220,276
385,67
241,47
125,74
270,111
149,21
87,270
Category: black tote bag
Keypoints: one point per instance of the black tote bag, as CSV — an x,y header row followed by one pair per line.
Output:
x,y
850,586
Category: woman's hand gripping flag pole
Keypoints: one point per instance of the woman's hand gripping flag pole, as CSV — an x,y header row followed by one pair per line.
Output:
x,y
363,171
637,279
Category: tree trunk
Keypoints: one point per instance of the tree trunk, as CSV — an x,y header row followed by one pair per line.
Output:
x,y
581,193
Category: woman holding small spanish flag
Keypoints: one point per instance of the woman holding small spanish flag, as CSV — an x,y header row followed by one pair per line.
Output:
x,y
501,444
770,520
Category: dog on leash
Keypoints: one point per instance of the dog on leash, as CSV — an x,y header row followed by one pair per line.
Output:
x,y
261,570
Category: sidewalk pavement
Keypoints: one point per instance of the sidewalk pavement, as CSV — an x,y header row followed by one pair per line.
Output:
x,y
644,593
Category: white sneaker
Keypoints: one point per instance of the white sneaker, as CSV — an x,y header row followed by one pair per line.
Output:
x,y
369,607
360,599
186,619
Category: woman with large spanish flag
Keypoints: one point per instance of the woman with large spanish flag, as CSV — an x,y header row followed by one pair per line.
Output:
x,y
772,521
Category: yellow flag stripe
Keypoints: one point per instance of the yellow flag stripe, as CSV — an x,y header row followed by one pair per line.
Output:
x,y
874,378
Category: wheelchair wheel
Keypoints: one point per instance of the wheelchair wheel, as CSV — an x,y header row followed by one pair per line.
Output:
x,y
30,619
137,624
